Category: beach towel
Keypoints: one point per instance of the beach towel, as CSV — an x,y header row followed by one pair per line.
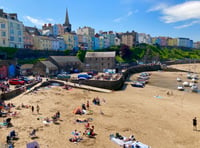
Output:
x,y
138,144
33,144
45,122
3,124
158,97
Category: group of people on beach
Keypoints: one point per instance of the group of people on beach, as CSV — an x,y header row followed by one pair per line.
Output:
x,y
37,109
89,129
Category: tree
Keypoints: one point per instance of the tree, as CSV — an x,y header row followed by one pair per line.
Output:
x,y
125,52
81,55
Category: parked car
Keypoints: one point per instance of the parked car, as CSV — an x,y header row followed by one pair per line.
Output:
x,y
61,76
26,80
16,81
84,76
92,73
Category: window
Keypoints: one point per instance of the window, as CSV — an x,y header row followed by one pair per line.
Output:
x,y
18,26
11,24
4,42
12,38
20,39
19,33
12,31
3,33
3,26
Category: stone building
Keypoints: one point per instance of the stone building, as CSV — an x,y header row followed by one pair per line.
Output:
x,y
66,63
45,68
99,61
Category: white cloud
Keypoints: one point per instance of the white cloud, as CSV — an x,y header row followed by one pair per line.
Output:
x,y
187,25
38,22
158,7
50,19
119,19
189,10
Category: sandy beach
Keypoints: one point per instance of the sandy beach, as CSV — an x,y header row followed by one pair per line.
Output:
x,y
164,122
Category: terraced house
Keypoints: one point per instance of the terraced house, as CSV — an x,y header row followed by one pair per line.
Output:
x,y
11,30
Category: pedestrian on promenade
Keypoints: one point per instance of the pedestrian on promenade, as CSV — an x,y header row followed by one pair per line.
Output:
x,y
195,124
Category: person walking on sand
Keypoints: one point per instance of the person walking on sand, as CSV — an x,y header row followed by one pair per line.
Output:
x,y
195,124
88,104
32,108
38,109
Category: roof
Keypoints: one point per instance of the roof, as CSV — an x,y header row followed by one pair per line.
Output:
x,y
100,54
26,66
49,65
64,59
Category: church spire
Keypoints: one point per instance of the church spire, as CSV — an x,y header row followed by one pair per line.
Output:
x,y
67,25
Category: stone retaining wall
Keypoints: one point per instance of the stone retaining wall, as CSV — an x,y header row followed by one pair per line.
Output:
x,y
16,92
117,84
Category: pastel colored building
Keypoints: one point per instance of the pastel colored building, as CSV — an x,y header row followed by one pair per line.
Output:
x,y
47,29
28,39
156,40
42,42
117,41
71,40
4,36
196,45
62,45
58,29
172,42
184,42
11,30
55,43
86,31
144,38
128,38
95,43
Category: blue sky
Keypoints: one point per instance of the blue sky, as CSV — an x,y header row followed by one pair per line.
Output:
x,y
173,18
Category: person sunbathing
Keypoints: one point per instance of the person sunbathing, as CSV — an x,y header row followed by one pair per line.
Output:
x,y
81,121
47,120
87,125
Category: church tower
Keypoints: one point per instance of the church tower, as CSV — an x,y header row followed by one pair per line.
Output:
x,y
67,26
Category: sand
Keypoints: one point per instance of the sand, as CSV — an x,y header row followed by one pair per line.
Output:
x,y
164,122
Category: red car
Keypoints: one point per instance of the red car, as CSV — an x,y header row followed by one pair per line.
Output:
x,y
16,82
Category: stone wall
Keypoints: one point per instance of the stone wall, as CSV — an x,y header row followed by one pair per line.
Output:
x,y
16,92
112,85
118,84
